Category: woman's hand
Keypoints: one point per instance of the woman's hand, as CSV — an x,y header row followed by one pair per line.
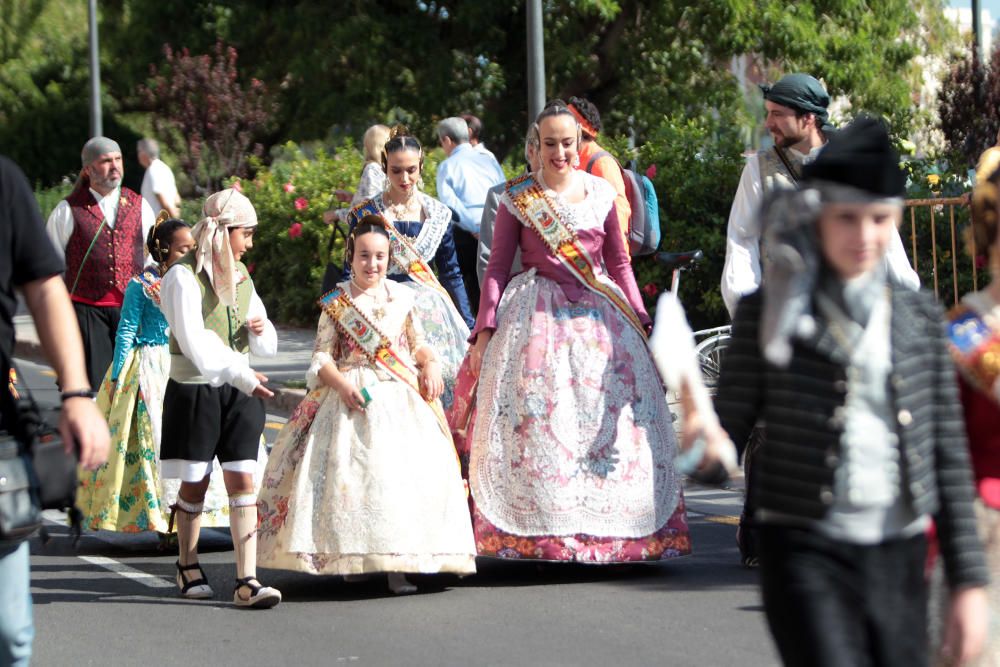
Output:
x,y
431,384
719,452
477,351
350,395
343,196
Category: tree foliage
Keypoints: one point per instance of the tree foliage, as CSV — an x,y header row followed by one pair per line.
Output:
x,y
342,65
208,117
970,99
336,67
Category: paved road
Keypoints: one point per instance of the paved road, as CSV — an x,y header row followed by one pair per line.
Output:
x,y
112,602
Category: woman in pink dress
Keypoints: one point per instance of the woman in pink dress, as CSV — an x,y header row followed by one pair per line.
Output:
x,y
568,436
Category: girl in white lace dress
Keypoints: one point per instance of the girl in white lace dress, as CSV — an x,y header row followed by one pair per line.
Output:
x,y
364,477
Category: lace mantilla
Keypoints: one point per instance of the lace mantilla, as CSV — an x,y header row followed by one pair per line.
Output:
x,y
437,217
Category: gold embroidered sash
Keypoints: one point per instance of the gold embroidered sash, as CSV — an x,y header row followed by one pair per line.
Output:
x,y
406,258
541,214
375,345
975,347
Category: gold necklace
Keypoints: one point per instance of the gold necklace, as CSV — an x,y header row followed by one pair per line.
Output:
x,y
402,209
378,307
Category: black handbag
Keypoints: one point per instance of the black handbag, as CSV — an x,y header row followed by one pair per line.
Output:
x,y
36,473
20,509
334,271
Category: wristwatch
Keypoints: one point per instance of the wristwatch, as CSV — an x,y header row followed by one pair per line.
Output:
x,y
78,393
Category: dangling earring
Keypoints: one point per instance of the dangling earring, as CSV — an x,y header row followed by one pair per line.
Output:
x,y
575,161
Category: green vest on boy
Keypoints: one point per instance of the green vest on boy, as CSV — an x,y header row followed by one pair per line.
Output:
x,y
229,324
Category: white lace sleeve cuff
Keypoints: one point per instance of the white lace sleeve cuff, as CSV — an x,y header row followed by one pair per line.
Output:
x,y
319,360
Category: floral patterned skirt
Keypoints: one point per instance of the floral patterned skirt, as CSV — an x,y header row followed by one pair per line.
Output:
x,y
348,492
444,330
569,441
127,493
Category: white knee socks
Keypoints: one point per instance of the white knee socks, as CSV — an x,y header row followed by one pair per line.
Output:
x,y
188,518
243,526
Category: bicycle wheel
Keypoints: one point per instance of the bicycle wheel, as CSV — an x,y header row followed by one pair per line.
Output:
x,y
710,353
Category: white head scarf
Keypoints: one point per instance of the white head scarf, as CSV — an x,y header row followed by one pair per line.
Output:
x,y
222,211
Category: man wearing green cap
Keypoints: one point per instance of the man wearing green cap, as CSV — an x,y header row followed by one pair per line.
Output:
x,y
101,229
798,122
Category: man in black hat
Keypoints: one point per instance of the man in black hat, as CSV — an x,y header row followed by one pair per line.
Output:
x,y
798,122
865,443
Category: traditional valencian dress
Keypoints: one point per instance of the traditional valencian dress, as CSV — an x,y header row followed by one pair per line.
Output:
x,y
127,494
569,438
974,333
446,321
349,492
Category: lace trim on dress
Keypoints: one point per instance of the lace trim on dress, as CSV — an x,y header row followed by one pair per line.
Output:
x,y
437,218
150,282
371,184
587,214
540,462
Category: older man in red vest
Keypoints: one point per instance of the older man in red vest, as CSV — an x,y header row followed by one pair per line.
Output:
x,y
101,228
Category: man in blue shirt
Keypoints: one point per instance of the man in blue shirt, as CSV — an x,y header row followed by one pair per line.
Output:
x,y
463,181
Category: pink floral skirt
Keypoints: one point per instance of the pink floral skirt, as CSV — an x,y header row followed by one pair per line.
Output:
x,y
566,439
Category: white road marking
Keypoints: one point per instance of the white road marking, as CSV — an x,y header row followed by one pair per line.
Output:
x,y
144,578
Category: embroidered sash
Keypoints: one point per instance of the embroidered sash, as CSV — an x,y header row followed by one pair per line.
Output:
x,y
150,282
975,347
405,256
375,345
540,213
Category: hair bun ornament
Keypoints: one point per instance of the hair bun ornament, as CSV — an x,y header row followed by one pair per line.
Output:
x,y
398,130
161,217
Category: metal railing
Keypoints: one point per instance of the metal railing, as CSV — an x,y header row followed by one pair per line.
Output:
x,y
953,247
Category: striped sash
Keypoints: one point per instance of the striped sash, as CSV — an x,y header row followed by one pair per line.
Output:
x,y
537,211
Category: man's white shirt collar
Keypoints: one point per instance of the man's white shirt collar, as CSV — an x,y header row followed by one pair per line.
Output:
x,y
108,204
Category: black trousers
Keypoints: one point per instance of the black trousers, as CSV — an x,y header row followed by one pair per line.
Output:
x,y
467,249
749,537
98,327
833,604
201,422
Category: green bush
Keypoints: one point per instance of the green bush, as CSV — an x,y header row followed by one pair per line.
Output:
x,y
288,258
47,198
697,169
944,177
